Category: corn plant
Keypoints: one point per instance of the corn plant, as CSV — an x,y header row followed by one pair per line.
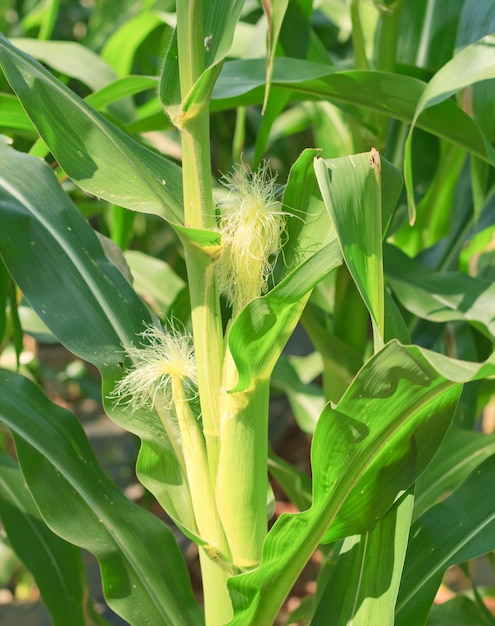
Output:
x,y
374,239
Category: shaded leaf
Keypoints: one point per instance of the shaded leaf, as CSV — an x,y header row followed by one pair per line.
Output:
x,y
144,576
98,156
56,565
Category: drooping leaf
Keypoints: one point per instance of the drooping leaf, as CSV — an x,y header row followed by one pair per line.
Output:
x,y
90,307
364,582
57,566
96,155
460,453
393,95
365,451
471,65
144,576
440,297
460,528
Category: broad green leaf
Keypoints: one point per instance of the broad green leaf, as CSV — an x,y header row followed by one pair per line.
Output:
x,y
121,48
471,65
144,576
460,453
440,297
44,231
96,155
393,95
56,565
13,115
364,582
460,528
70,58
89,306
353,193
262,329
366,450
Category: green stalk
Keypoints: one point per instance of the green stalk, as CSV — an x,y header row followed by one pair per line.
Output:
x,y
199,213
196,465
205,303
360,58
242,473
386,51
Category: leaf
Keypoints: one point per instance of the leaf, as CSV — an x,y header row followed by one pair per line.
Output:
x,y
471,65
56,565
262,329
89,306
460,528
70,58
394,95
121,47
366,450
364,581
96,155
144,576
352,191
440,297
460,453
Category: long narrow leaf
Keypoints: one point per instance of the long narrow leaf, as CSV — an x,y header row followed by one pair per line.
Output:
x,y
99,157
442,537
90,307
365,451
57,566
143,572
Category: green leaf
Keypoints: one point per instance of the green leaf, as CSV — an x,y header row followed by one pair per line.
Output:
x,y
56,565
121,47
90,307
70,58
120,88
262,329
394,95
144,576
353,193
96,155
460,453
364,581
460,528
440,297
471,65
366,450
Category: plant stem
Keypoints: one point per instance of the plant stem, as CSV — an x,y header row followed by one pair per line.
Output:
x,y
205,313
199,213
242,476
385,53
